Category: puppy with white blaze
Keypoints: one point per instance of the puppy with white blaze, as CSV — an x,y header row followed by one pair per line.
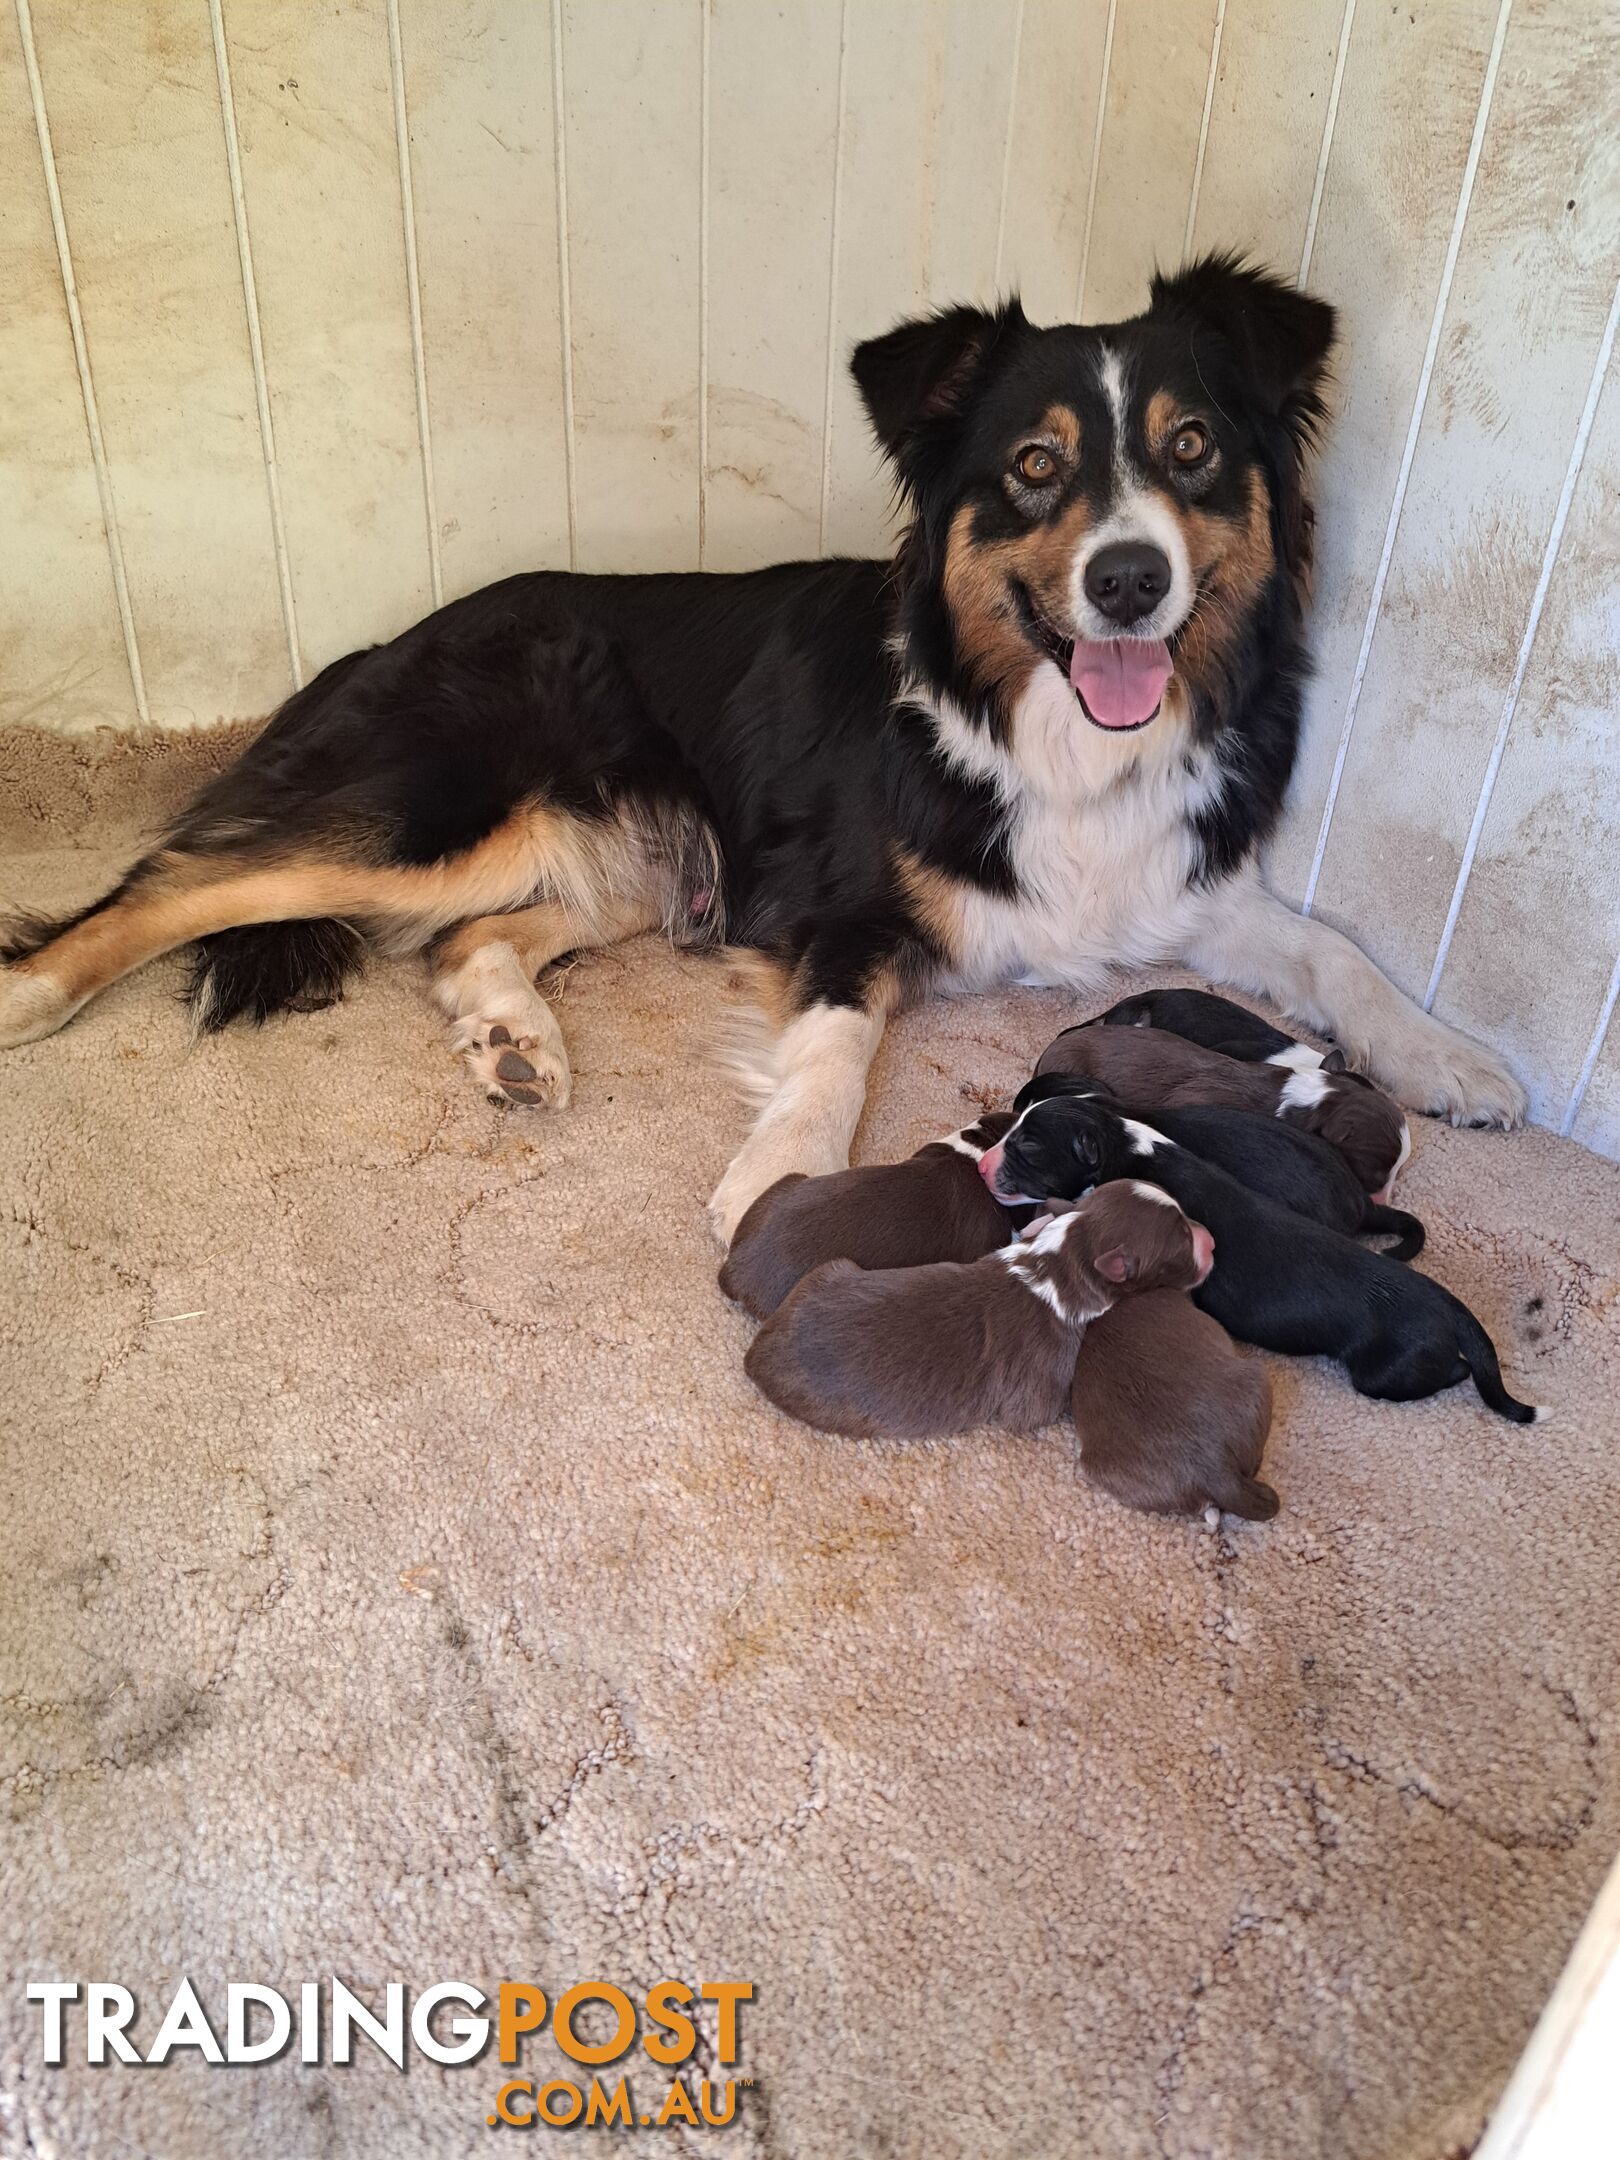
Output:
x,y
1052,735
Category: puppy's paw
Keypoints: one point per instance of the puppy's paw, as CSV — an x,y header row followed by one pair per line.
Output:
x,y
522,1069
1444,1074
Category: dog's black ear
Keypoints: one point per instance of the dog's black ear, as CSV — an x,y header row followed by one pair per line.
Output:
x,y
918,380
1282,337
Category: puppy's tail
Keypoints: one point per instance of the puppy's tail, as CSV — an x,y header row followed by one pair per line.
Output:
x,y
267,968
1246,1496
1384,1221
1479,1355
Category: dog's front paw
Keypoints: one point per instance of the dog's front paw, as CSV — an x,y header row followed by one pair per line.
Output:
x,y
774,1149
1444,1074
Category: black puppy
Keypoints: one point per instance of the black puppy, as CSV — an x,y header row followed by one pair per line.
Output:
x,y
1295,1168
1280,1281
1217,1024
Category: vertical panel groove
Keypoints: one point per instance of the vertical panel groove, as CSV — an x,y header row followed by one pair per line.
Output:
x,y
559,152
1414,428
703,293
832,281
1329,123
1594,1051
250,300
1203,128
413,288
1096,163
81,353
1007,146
1555,539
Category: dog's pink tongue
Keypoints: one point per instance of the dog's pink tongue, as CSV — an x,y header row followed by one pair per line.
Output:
x,y
1121,681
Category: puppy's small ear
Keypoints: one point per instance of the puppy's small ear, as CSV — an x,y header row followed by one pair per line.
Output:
x,y
1116,1266
1335,1062
918,381
1282,336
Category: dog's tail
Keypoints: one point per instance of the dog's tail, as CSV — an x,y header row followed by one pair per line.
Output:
x,y
1478,1353
265,968
1384,1221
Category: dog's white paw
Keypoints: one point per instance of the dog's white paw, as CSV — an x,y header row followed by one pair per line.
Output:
x,y
31,1006
773,1150
1434,1069
527,1069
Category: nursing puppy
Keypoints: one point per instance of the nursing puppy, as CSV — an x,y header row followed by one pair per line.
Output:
x,y
933,1206
1168,1416
1218,1024
1297,1169
915,1352
1283,1283
1158,1070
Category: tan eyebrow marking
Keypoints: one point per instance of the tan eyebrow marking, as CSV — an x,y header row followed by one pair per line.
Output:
x,y
1060,424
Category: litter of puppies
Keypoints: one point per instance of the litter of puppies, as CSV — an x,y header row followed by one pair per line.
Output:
x,y
1176,1174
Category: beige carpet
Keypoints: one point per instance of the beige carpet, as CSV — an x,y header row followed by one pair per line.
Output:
x,y
402,1581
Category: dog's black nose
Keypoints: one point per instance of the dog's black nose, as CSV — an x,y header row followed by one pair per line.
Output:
x,y
1127,581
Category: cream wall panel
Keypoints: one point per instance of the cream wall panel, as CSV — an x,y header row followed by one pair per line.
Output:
x,y
1598,1123
320,167
1267,118
1400,149
1054,123
634,99
1158,78
927,91
141,162
1509,385
478,92
1539,929
62,657
769,265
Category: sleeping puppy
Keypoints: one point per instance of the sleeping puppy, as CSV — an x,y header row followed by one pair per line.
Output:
x,y
1296,1169
1168,1415
932,1206
913,1352
1284,1283
1158,1070
1215,1022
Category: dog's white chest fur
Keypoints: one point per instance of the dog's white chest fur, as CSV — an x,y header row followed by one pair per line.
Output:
x,y
1100,840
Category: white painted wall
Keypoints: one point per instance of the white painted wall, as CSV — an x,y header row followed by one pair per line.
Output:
x,y
312,312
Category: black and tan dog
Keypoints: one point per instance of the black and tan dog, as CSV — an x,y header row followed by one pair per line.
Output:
x,y
1052,734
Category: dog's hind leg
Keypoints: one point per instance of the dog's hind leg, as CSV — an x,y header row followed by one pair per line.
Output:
x,y
1242,935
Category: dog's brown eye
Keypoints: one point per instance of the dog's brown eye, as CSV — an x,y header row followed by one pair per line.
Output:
x,y
1036,466
1190,445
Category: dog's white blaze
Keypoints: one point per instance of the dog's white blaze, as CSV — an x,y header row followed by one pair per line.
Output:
x,y
1145,1191
1100,836
1304,1090
1298,1057
1144,1140
1136,511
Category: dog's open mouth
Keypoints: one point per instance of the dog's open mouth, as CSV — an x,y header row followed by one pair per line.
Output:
x,y
1119,682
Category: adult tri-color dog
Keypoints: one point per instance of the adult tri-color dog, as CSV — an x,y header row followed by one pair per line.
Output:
x,y
1051,735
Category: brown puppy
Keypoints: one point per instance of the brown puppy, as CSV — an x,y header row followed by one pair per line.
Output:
x,y
932,1206
1169,1416
916,1351
1151,1069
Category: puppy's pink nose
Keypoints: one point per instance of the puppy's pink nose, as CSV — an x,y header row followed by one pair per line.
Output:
x,y
990,1163
1203,1250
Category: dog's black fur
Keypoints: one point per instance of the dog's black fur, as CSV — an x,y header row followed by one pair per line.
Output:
x,y
1278,1280
1295,1168
1214,1022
